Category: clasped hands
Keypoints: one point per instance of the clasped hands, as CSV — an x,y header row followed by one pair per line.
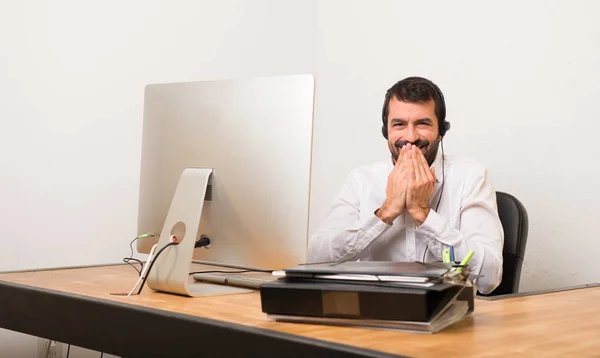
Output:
x,y
409,187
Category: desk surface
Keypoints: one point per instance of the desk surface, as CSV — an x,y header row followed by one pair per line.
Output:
x,y
560,323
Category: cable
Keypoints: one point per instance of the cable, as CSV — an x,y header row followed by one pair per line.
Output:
x,y
101,354
443,177
145,270
152,264
130,258
205,241
202,242
425,252
68,350
127,259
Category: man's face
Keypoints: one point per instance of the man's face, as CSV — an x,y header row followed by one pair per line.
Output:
x,y
414,123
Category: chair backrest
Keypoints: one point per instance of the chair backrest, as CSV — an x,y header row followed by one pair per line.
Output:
x,y
515,223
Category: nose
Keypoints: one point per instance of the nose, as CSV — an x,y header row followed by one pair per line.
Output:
x,y
411,134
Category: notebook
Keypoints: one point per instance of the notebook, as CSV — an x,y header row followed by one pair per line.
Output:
x,y
388,271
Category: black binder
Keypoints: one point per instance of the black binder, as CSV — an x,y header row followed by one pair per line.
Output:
x,y
299,298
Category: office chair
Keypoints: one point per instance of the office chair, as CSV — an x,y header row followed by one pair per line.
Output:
x,y
515,223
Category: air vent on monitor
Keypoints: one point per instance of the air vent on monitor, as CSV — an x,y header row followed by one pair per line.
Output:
x,y
208,195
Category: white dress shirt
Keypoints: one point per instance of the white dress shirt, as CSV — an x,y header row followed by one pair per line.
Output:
x,y
467,218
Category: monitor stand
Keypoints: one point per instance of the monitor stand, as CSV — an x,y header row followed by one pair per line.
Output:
x,y
170,272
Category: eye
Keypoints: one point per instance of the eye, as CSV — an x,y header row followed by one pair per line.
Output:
x,y
398,124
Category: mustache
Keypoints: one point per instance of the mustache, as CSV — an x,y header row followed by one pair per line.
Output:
x,y
419,143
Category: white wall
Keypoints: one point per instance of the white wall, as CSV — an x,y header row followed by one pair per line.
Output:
x,y
522,83
72,77
521,80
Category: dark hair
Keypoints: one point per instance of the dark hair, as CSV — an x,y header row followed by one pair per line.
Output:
x,y
416,90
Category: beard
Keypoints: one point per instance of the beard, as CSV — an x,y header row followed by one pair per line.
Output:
x,y
429,150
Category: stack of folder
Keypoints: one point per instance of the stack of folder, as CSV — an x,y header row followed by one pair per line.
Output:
x,y
414,296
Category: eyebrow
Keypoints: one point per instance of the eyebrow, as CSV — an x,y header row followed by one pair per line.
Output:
x,y
420,120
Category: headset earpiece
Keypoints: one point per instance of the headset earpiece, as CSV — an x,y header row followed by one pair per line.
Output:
x,y
445,127
384,113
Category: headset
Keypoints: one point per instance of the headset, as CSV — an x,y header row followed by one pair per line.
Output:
x,y
443,125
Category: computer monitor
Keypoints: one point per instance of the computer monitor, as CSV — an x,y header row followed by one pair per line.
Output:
x,y
255,137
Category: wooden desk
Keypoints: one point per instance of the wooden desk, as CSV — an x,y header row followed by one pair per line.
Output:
x,y
74,306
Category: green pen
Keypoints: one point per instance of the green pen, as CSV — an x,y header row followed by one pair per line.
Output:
x,y
465,260
446,256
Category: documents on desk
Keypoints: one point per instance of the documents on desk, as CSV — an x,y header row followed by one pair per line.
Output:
x,y
413,296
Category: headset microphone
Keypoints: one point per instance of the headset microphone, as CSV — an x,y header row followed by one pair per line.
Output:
x,y
433,147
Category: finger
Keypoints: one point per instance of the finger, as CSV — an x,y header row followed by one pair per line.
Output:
x,y
399,160
425,168
411,168
410,180
419,153
407,159
431,173
407,147
403,153
402,160
417,165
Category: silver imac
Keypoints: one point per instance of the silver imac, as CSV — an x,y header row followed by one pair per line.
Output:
x,y
230,160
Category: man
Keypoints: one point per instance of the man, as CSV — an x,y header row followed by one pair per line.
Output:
x,y
419,203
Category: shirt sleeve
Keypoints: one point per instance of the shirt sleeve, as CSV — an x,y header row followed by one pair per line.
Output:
x,y
341,236
479,230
